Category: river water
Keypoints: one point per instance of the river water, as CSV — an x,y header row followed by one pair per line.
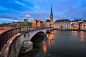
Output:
x,y
59,44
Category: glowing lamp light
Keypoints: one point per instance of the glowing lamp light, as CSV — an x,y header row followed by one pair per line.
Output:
x,y
27,15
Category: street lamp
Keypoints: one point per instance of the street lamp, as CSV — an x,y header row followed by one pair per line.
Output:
x,y
27,15
27,19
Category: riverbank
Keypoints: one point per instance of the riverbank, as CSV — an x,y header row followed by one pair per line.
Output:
x,y
70,29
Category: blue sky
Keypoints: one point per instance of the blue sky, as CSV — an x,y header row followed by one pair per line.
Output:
x,y
16,10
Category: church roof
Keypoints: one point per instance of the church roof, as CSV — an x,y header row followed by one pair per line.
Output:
x,y
51,11
47,20
62,20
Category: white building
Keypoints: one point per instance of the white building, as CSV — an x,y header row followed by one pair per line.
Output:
x,y
74,25
83,25
47,23
62,24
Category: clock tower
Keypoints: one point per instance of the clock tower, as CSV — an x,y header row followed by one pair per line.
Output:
x,y
51,16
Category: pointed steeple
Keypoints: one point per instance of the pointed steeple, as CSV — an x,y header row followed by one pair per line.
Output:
x,y
51,10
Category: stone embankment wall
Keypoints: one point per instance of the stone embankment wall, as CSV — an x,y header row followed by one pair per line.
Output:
x,y
14,47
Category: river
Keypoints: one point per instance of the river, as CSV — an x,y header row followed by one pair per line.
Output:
x,y
59,44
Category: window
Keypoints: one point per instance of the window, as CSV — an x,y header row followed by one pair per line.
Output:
x,y
64,21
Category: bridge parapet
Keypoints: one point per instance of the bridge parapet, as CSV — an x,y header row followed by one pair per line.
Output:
x,y
27,35
6,35
12,48
24,29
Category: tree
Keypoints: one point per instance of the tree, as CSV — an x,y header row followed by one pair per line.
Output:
x,y
0,24
4,24
23,24
30,24
13,25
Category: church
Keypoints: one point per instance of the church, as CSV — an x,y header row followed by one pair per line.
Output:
x,y
51,16
47,23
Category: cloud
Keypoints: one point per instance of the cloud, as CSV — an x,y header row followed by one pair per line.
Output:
x,y
40,9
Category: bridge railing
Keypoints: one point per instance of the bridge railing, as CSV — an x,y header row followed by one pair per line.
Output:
x,y
37,28
6,35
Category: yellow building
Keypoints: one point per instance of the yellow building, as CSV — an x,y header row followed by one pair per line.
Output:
x,y
36,23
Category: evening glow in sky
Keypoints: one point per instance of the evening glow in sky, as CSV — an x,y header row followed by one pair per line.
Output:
x,y
16,10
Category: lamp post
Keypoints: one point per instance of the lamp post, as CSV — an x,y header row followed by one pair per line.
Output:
x,y
27,19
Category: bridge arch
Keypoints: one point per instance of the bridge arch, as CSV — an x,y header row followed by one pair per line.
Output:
x,y
38,33
31,34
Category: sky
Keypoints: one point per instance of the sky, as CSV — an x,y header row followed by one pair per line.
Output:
x,y
16,10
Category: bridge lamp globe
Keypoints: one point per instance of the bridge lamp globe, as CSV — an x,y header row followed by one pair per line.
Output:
x,y
27,15
27,19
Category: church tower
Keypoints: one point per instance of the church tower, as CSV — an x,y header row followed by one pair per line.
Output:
x,y
51,16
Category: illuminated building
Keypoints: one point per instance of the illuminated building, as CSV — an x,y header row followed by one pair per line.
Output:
x,y
74,24
84,24
47,23
37,23
34,23
62,24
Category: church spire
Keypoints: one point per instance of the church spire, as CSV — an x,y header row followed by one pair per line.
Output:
x,y
51,10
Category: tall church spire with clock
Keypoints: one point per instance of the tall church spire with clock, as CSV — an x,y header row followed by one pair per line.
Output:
x,y
51,16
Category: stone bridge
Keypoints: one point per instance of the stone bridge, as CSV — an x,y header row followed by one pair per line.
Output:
x,y
29,35
13,45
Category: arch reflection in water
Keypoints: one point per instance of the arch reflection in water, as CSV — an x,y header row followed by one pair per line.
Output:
x,y
82,36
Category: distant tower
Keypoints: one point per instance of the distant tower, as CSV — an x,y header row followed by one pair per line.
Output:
x,y
51,16
25,21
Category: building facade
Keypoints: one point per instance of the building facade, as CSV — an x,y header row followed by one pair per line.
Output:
x,y
37,23
47,23
62,24
74,25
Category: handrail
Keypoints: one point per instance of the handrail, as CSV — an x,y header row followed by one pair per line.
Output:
x,y
6,35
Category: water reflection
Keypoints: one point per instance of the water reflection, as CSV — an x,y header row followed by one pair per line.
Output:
x,y
52,32
66,46
50,38
82,36
74,33
55,31
44,47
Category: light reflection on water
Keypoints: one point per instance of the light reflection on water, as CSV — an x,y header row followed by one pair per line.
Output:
x,y
44,46
62,44
50,39
78,35
82,35
74,33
